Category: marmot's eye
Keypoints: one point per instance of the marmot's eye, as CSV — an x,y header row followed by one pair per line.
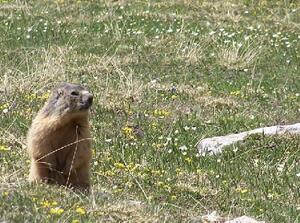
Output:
x,y
74,93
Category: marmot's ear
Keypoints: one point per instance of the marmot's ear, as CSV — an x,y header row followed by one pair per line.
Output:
x,y
59,93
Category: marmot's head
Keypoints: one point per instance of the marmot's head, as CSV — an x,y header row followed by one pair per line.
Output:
x,y
68,98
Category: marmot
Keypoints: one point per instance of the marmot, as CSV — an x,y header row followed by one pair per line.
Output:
x,y
59,140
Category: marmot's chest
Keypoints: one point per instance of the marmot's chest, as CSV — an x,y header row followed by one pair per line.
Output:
x,y
66,140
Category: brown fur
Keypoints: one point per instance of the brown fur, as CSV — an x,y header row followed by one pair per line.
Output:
x,y
56,134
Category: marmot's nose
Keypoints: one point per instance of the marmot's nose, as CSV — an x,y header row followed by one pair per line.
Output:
x,y
90,98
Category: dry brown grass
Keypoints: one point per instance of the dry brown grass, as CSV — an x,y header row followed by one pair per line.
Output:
x,y
180,48
237,57
39,74
221,11
130,210
13,7
127,87
199,93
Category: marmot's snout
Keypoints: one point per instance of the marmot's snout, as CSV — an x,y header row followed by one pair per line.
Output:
x,y
87,99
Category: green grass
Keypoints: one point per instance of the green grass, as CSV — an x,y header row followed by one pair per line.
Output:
x,y
178,70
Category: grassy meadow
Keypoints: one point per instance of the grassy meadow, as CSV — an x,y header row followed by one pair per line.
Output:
x,y
164,74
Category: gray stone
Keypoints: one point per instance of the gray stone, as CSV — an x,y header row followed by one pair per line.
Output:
x,y
216,144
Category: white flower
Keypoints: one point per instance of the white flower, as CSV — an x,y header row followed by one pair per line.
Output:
x,y
231,35
169,30
298,174
186,128
108,140
5,110
183,148
280,167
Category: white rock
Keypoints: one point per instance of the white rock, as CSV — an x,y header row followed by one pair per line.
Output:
x,y
216,144
212,217
244,219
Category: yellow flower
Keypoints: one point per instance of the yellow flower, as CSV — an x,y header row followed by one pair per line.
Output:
x,y
119,165
44,96
132,167
159,183
4,106
3,148
235,93
167,187
244,191
173,197
80,210
75,221
188,159
45,204
34,96
174,97
109,173
30,97
57,211
129,184
154,125
161,113
157,146
117,190
127,130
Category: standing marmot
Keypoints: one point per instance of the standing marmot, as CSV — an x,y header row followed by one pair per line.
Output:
x,y
59,140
